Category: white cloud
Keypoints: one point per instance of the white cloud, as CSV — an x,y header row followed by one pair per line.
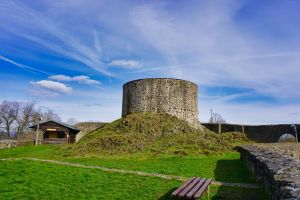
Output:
x,y
53,86
85,79
127,64
81,79
60,78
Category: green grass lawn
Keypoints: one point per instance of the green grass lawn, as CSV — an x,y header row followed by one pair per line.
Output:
x,y
34,180
226,167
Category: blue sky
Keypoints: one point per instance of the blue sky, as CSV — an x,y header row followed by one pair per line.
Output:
x,y
73,56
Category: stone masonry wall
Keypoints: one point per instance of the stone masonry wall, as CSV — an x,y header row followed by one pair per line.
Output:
x,y
172,96
257,133
279,173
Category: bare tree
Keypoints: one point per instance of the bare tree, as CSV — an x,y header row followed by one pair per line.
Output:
x,y
9,110
17,116
2,133
50,115
44,115
72,121
24,117
216,118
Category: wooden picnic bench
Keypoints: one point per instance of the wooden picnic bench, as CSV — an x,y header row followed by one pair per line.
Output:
x,y
192,188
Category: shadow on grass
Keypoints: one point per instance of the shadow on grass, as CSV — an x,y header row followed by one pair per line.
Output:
x,y
232,171
235,171
167,195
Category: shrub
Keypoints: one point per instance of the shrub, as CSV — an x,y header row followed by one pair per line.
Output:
x,y
287,138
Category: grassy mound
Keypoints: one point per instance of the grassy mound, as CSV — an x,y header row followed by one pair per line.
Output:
x,y
155,133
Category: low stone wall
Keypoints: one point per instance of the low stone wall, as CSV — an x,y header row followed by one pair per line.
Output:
x,y
87,127
257,133
279,173
7,144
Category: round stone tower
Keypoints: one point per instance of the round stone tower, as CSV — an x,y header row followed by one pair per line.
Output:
x,y
172,96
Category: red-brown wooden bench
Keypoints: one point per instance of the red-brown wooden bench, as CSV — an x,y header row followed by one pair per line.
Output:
x,y
192,188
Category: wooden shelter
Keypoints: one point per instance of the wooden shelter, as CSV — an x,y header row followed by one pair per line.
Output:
x,y
55,132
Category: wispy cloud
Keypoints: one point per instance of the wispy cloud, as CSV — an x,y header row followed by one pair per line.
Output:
x,y
53,86
93,105
151,69
212,43
295,113
85,79
250,113
127,64
212,49
81,79
39,28
23,66
254,57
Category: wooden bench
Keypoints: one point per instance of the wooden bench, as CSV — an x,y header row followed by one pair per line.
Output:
x,y
192,188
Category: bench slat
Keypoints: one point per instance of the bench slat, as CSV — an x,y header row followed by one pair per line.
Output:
x,y
202,189
176,192
196,188
189,187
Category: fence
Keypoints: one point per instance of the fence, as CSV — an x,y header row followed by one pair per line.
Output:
x,y
55,141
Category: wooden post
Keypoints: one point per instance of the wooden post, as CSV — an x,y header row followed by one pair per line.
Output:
x,y
42,140
68,135
37,134
208,192
243,129
220,128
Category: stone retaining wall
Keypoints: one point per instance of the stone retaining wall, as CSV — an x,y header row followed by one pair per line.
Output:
x,y
258,133
279,173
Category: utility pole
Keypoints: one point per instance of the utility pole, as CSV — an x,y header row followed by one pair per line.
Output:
x,y
37,132
211,115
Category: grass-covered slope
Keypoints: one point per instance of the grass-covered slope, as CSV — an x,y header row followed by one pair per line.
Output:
x,y
155,133
21,179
